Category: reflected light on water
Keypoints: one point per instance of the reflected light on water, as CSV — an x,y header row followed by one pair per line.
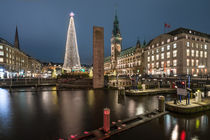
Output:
x,y
4,107
197,124
174,135
91,98
131,107
140,109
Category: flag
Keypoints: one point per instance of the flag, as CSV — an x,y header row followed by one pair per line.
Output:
x,y
167,25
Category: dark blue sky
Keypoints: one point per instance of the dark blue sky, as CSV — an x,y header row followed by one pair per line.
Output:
x,y
43,24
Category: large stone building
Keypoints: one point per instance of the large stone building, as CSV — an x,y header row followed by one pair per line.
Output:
x,y
14,62
123,62
179,52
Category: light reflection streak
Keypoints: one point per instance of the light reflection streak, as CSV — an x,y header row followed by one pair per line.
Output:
x,y
174,135
140,109
91,98
4,108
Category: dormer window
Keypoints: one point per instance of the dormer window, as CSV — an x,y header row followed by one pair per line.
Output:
x,y
168,40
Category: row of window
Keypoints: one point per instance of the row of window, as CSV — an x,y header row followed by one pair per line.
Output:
x,y
193,62
196,53
162,55
195,38
162,42
11,56
168,47
163,64
130,65
205,47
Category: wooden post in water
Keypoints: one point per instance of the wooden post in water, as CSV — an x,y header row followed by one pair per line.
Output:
x,y
161,103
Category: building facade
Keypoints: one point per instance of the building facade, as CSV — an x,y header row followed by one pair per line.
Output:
x,y
123,62
180,52
14,62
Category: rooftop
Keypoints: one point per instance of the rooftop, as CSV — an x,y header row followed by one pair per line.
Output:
x,y
188,31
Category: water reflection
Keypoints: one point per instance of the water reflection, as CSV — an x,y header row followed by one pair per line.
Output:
x,y
185,127
5,109
51,114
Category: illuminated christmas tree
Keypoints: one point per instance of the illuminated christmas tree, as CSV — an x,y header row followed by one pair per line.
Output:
x,y
71,59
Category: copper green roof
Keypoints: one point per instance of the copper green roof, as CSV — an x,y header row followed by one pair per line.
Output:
x,y
127,51
107,59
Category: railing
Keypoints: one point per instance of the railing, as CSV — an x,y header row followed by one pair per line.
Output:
x,y
26,82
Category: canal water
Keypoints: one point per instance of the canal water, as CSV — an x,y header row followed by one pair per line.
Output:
x,y
50,115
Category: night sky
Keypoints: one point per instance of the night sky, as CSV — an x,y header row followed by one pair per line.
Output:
x,y
43,24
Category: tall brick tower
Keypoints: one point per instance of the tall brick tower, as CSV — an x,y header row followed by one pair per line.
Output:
x,y
116,43
98,57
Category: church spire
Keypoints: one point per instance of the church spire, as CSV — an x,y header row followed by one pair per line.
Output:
x,y
116,29
16,43
138,44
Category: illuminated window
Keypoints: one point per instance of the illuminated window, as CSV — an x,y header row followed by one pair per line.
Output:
x,y
6,54
6,49
162,49
152,46
162,64
188,52
188,44
205,54
168,63
175,38
192,45
197,53
174,45
175,63
148,52
192,62
152,51
174,53
157,65
201,46
188,62
196,62
148,65
168,54
186,37
153,65
162,55
153,58
192,53
205,47
201,53
187,71
168,40
1,47
157,50
148,59
157,57
168,47
196,45
1,53
1,59
162,42
157,44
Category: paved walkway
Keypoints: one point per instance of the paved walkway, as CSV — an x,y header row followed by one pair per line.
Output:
x,y
189,109
150,91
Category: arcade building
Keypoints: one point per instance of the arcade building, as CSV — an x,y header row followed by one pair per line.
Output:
x,y
16,63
